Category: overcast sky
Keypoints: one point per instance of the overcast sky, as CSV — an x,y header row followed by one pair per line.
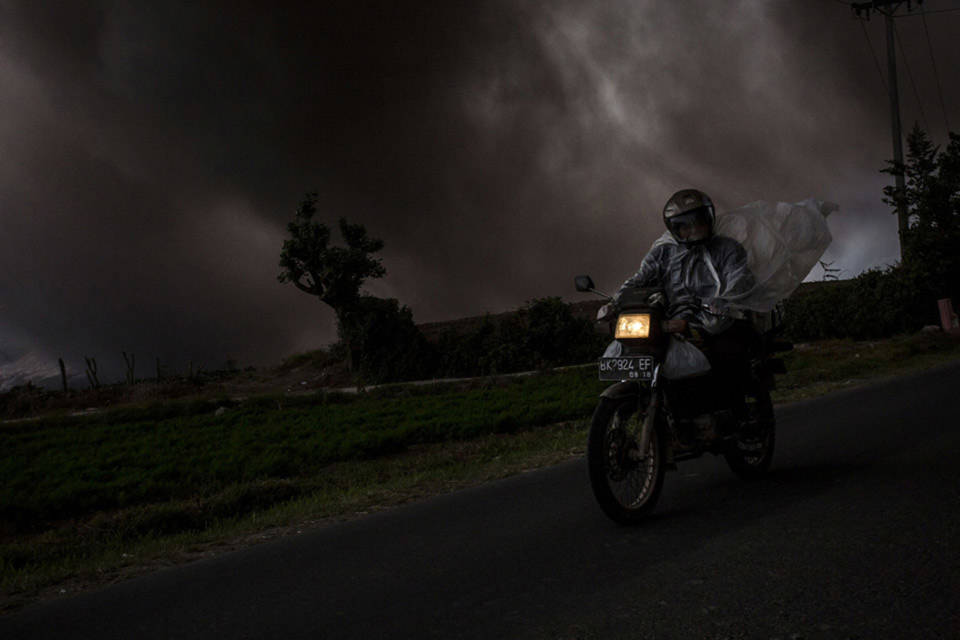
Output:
x,y
151,153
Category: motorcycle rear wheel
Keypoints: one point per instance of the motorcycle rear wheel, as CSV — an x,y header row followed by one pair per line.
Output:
x,y
627,488
749,456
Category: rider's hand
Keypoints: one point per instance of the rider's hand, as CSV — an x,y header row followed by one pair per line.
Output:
x,y
676,325
604,312
717,308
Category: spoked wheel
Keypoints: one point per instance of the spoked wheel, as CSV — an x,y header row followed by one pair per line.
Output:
x,y
626,484
750,454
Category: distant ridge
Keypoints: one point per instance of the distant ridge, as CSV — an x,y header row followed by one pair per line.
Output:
x,y
432,331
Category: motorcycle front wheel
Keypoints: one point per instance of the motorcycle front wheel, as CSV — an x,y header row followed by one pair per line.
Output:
x,y
625,484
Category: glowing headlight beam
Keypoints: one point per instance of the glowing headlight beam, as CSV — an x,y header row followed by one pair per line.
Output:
x,y
635,325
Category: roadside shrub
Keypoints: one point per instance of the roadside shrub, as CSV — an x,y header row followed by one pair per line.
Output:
x,y
462,352
877,303
542,334
23,400
556,337
511,351
389,345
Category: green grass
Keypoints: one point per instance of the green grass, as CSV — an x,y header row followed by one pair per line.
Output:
x,y
62,468
820,367
85,500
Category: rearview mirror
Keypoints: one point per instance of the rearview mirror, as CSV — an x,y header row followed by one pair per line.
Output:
x,y
583,283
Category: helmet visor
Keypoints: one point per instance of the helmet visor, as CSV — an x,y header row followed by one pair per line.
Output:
x,y
692,226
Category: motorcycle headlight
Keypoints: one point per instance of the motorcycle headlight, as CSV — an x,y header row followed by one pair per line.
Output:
x,y
633,325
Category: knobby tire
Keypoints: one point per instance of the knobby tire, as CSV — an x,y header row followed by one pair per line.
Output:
x,y
626,490
749,458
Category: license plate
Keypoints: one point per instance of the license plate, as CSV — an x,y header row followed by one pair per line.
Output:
x,y
632,368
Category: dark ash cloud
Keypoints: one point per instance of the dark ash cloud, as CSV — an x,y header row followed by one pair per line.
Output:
x,y
153,152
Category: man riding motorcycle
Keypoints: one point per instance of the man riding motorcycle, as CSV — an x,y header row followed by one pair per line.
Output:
x,y
697,269
694,333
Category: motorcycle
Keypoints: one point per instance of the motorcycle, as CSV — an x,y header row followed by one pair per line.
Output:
x,y
646,423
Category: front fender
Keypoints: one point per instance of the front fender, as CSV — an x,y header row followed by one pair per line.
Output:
x,y
620,390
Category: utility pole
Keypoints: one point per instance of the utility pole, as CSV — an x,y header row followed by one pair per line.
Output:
x,y
895,127
889,9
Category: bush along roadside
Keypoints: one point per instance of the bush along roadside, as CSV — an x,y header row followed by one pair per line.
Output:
x,y
544,333
878,303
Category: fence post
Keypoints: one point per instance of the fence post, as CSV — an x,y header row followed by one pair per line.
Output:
x,y
131,361
92,372
948,317
63,374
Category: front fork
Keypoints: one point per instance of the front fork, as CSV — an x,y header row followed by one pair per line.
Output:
x,y
628,388
650,420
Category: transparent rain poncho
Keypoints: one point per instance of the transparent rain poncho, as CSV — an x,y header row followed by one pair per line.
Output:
x,y
760,255
783,243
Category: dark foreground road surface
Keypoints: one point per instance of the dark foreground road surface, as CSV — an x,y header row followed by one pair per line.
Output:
x,y
855,534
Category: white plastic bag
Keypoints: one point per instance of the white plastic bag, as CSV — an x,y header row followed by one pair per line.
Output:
x,y
683,360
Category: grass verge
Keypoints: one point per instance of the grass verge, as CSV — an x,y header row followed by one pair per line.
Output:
x,y
814,369
91,500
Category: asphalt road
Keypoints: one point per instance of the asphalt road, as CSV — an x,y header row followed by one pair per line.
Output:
x,y
854,534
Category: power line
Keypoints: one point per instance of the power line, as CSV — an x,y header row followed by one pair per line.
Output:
x,y
889,8
936,74
877,5
876,60
903,56
882,7
930,13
